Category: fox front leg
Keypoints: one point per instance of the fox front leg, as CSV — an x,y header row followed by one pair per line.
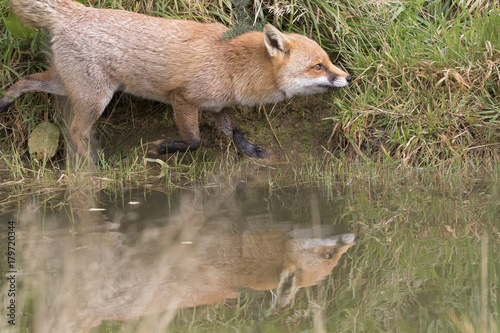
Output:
x,y
186,119
228,125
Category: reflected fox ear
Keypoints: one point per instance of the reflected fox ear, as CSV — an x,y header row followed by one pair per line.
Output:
x,y
275,40
288,286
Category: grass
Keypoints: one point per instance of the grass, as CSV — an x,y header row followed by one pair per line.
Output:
x,y
439,246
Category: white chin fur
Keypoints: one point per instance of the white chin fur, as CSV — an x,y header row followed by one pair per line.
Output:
x,y
340,82
314,86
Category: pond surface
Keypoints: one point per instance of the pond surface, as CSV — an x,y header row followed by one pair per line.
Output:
x,y
359,256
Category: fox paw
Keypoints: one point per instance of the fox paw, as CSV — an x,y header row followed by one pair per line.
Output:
x,y
4,104
253,151
256,152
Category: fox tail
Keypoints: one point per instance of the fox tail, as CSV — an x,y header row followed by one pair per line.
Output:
x,y
48,14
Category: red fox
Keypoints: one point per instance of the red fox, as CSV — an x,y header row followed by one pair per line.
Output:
x,y
97,52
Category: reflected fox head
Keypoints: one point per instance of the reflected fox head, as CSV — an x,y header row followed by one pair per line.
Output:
x,y
310,261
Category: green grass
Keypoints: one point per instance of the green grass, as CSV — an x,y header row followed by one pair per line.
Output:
x,y
422,256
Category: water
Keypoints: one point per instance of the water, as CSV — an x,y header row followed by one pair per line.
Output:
x,y
362,257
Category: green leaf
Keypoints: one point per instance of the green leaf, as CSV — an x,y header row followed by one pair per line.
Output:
x,y
43,141
17,29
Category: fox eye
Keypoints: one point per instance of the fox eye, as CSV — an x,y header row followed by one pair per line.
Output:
x,y
318,67
327,255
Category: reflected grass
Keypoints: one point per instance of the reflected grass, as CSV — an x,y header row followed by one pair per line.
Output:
x,y
418,267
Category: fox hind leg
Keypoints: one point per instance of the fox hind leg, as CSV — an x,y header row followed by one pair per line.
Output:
x,y
87,107
48,81
227,124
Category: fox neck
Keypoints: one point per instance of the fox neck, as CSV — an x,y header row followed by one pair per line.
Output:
x,y
253,73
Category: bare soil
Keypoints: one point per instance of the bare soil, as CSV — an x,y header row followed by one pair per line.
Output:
x,y
289,128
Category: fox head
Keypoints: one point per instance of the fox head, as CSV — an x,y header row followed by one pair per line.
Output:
x,y
303,67
309,261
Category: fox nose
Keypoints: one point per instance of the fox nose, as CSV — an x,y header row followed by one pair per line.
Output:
x,y
348,78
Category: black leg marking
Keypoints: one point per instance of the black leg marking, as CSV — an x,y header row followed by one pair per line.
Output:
x,y
5,103
174,146
254,151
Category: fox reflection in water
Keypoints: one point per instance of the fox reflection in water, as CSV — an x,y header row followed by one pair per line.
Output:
x,y
88,277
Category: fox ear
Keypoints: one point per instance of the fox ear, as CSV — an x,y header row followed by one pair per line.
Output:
x,y
288,286
275,40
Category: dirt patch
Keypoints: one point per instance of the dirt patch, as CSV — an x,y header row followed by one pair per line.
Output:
x,y
292,127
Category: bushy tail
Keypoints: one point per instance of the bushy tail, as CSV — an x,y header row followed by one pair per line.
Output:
x,y
46,14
